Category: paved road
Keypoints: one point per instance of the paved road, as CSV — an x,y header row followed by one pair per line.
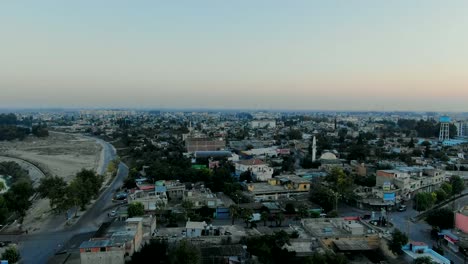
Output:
x,y
38,248
419,231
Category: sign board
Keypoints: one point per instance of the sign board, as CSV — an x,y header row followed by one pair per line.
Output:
x,y
389,197
386,186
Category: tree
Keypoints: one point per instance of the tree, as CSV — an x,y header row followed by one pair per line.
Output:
x,y
458,185
17,197
40,130
326,258
11,254
2,186
264,217
246,215
399,239
185,252
246,176
294,134
303,210
340,182
156,250
322,196
279,218
424,260
290,208
85,187
447,188
441,195
53,188
423,201
3,210
234,211
443,218
136,209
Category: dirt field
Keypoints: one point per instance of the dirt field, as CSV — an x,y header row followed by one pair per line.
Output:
x,y
59,154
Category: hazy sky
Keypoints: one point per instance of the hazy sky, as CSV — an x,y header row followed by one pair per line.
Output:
x,y
338,55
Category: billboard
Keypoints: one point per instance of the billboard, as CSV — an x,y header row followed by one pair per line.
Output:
x,y
389,197
386,186
444,119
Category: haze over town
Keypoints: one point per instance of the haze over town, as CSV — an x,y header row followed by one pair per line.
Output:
x,y
240,132
320,55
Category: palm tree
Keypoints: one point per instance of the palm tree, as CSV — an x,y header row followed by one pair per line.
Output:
x,y
279,219
264,217
234,212
247,215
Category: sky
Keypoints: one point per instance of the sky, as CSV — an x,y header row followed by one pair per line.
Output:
x,y
308,55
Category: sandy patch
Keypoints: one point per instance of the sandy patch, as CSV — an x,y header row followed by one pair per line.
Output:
x,y
60,155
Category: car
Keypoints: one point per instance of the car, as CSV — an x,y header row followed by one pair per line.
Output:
x,y
366,217
227,233
113,213
402,208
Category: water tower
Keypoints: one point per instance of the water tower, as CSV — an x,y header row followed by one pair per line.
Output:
x,y
444,128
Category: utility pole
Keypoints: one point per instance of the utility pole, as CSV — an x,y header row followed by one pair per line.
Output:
x,y
408,228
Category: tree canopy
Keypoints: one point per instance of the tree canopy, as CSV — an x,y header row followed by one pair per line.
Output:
x,y
443,218
399,239
136,209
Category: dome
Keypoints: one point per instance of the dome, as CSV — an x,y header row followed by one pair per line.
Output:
x,y
328,156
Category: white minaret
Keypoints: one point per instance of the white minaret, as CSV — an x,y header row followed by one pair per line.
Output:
x,y
314,148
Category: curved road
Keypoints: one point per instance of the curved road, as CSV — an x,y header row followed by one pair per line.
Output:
x,y
38,248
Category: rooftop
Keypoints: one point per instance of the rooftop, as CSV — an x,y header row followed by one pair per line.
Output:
x,y
353,245
251,162
195,225
95,243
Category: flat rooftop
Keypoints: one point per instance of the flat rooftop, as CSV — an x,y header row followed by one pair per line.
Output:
x,y
353,245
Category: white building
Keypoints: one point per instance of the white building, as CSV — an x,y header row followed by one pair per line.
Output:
x,y
263,124
260,170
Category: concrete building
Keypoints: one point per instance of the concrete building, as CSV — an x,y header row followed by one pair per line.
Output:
x,y
222,254
410,180
462,128
263,124
260,170
204,144
416,250
194,229
151,200
283,186
112,242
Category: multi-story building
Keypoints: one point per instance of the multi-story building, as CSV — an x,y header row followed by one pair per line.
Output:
x,y
263,124
113,242
260,170
204,144
283,186
462,129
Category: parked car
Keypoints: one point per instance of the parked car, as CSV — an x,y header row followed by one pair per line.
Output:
x,y
366,217
402,208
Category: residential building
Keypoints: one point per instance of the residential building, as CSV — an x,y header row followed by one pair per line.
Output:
x,y
151,198
260,170
194,229
112,242
283,186
204,144
224,254
416,250
263,124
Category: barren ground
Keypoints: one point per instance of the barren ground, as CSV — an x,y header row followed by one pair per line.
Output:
x,y
60,155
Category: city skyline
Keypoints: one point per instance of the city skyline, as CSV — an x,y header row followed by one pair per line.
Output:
x,y
359,55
